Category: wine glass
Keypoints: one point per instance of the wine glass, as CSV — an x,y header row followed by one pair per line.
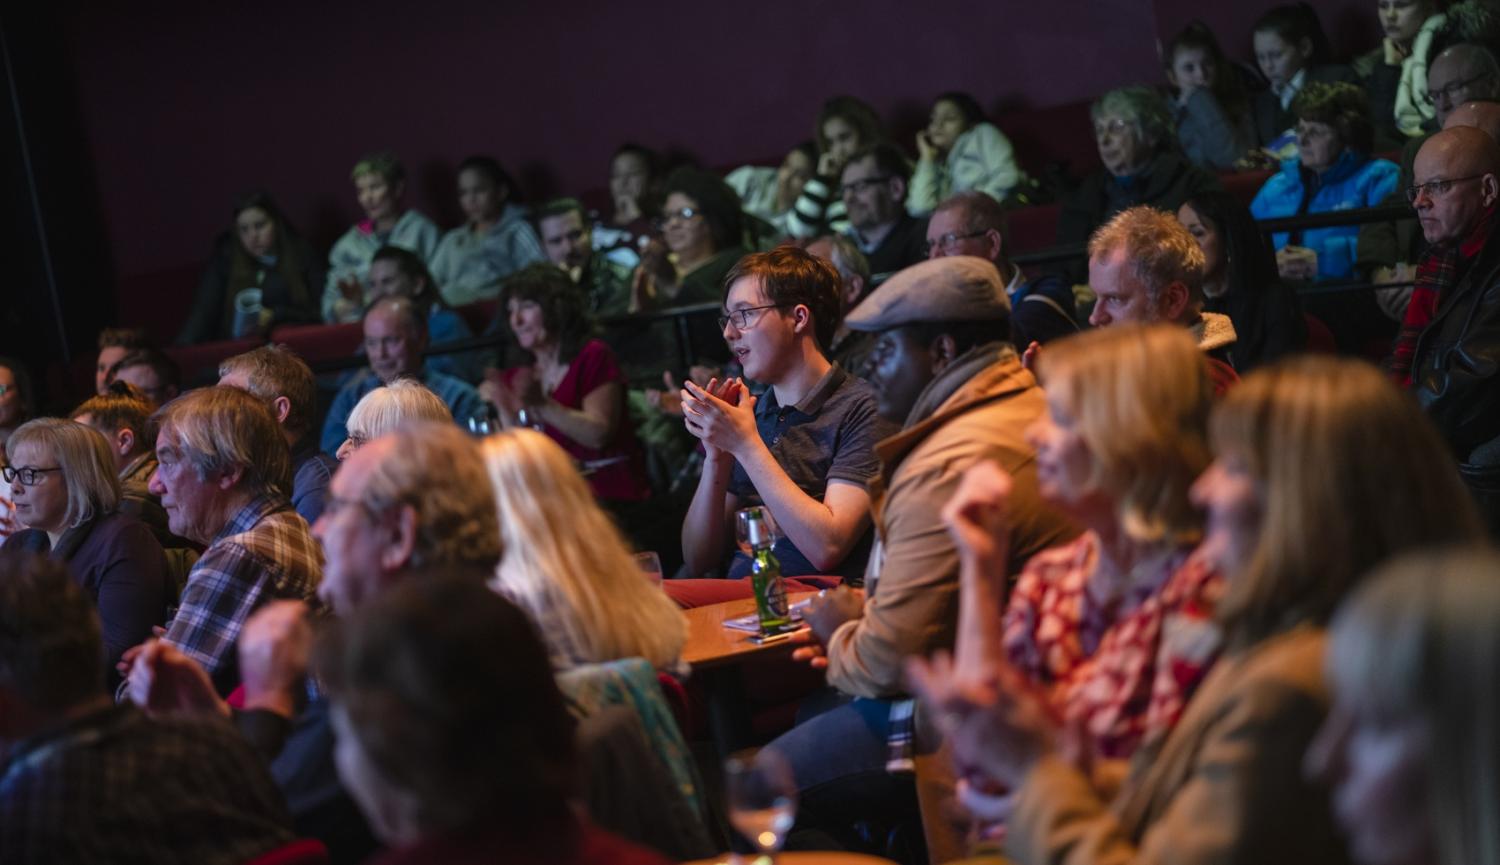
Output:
x,y
762,794
742,527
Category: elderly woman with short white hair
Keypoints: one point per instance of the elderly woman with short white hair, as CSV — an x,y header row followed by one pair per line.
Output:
x,y
62,479
385,408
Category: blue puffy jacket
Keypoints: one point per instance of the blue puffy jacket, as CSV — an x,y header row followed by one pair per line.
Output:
x,y
1352,182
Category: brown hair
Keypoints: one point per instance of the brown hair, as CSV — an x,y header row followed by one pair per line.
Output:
x,y
50,643
1160,250
1340,105
275,370
219,428
795,277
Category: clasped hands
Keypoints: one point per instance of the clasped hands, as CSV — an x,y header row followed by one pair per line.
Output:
x,y
721,415
524,390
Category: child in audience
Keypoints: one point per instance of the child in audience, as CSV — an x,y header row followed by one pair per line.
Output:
x,y
845,126
1225,784
633,177
496,240
959,151
380,182
769,193
1213,123
1291,51
1394,74
1409,745
567,564
264,252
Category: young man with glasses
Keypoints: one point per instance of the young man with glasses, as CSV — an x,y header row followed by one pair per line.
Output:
x,y
874,186
805,447
1451,331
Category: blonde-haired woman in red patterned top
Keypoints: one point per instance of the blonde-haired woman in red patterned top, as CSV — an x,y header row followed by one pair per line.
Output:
x,y
1114,629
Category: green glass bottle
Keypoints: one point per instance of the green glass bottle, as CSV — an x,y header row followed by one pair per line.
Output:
x,y
765,576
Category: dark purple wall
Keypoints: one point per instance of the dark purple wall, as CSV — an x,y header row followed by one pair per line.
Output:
x,y
187,104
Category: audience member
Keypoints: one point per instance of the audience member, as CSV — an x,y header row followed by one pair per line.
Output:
x,y
62,480
1407,746
1451,322
940,368
568,566
568,241
85,781
960,151
702,237
387,407
276,376
380,182
1333,171
874,185
495,241
17,402
972,223
152,373
804,448
1144,267
1293,544
1291,51
1265,311
114,344
261,274
573,389
1212,113
1394,74
845,126
410,505
850,349
1142,165
395,338
397,272
223,471
767,193
123,416
634,175
453,736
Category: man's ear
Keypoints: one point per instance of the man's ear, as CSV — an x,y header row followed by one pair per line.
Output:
x,y
898,189
125,441
943,350
1173,301
1489,188
282,407
402,539
996,244
801,319
854,289
230,478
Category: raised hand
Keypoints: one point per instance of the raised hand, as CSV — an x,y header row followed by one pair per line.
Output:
x,y
721,415
275,646
164,681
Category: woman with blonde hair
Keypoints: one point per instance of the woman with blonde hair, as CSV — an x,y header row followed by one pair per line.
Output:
x,y
568,565
66,493
1409,745
1303,499
385,408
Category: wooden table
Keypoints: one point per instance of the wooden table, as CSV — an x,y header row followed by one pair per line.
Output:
x,y
716,654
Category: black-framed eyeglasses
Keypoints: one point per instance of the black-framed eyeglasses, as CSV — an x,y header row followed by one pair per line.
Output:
x,y
1435,188
743,318
1452,90
30,475
685,214
950,240
854,187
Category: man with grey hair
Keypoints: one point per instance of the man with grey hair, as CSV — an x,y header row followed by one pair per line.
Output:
x,y
1144,267
1142,164
275,375
850,348
411,503
223,469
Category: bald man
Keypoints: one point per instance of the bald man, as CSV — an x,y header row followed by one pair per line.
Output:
x,y
1449,346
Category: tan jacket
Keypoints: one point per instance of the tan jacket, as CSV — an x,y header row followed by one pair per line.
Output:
x,y
912,577
1226,785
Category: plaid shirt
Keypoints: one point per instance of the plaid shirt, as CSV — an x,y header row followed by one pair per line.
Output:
x,y
115,786
263,553
1122,669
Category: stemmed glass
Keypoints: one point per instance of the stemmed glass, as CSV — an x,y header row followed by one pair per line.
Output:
x,y
762,794
742,527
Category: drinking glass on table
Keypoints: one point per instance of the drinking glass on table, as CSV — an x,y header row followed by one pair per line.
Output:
x,y
650,565
762,794
742,520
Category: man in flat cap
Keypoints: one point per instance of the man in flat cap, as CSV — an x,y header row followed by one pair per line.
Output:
x,y
943,367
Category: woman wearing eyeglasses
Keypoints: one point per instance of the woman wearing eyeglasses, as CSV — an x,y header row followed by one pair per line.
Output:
x,y
1333,171
62,480
702,237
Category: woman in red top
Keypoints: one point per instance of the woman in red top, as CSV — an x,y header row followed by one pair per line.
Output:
x,y
573,389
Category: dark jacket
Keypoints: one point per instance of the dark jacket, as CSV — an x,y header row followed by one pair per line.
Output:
x,y
903,246
1271,120
212,315
118,561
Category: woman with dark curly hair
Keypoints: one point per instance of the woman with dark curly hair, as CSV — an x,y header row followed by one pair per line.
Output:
x,y
1333,171
572,389
702,236
261,251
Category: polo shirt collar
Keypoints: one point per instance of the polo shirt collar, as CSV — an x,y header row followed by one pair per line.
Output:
x,y
812,401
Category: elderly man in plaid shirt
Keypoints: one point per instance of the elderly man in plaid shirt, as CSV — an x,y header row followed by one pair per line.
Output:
x,y
223,475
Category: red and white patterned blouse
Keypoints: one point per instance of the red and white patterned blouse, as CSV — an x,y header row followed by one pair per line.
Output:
x,y
1122,669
